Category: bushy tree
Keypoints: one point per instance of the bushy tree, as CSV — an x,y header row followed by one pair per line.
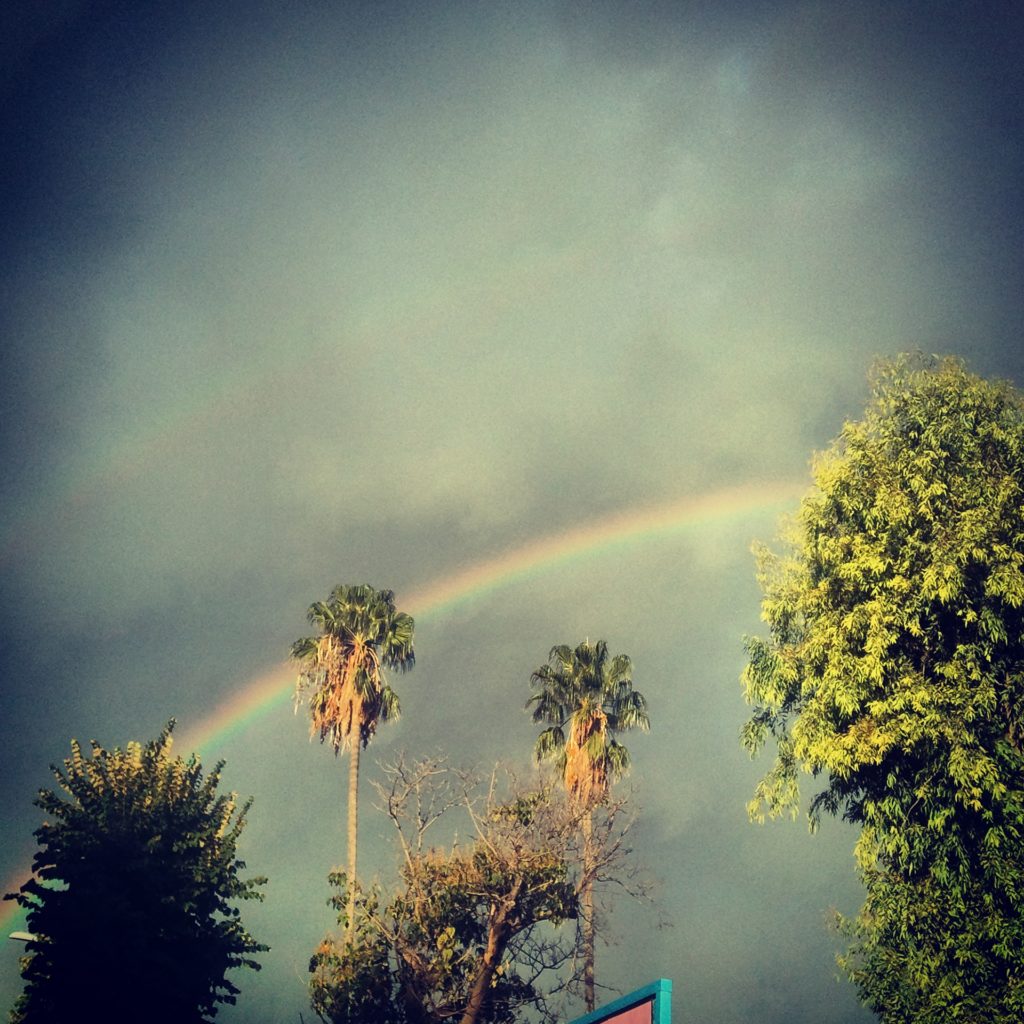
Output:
x,y
131,903
472,932
895,670
354,982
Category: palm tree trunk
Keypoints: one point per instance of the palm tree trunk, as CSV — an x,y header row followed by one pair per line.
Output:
x,y
587,911
353,828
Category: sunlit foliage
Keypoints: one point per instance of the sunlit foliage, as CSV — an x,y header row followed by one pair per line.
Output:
x,y
131,900
895,669
586,697
360,633
461,937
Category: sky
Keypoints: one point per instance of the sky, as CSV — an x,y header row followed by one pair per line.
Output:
x,y
533,313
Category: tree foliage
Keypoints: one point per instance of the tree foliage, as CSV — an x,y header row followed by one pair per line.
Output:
x,y
131,899
895,669
473,932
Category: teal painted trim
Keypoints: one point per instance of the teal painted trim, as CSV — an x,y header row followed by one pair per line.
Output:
x,y
659,993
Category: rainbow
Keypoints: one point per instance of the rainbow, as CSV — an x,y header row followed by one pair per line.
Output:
x,y
273,687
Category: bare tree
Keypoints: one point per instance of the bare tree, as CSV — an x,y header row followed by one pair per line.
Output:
x,y
481,927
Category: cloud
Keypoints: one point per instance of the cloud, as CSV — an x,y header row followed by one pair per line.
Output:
x,y
308,296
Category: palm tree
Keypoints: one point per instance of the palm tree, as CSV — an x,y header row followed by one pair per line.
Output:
x,y
342,674
586,697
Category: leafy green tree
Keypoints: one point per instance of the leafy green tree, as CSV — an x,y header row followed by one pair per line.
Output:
x,y
586,697
130,903
895,670
461,937
355,982
360,634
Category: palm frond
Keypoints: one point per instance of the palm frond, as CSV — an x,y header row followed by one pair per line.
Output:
x,y
616,760
390,708
550,743
304,648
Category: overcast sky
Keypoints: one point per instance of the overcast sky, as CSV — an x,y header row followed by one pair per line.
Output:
x,y
293,295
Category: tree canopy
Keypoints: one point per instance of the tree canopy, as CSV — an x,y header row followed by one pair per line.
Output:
x,y
131,903
471,933
894,669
